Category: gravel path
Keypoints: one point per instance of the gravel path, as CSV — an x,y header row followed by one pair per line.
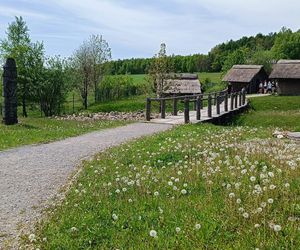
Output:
x,y
31,175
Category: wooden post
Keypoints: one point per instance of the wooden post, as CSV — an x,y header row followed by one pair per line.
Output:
x,y
209,103
218,105
244,97
148,109
231,101
226,102
198,108
215,98
186,110
201,101
163,108
236,100
175,110
240,99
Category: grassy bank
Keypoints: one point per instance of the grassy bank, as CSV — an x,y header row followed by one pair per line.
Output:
x,y
273,111
41,130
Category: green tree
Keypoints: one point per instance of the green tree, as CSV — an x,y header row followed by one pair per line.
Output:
x,y
160,70
28,56
263,57
54,87
237,57
100,54
287,45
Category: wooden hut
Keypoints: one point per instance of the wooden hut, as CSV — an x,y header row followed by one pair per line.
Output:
x,y
246,76
287,75
182,84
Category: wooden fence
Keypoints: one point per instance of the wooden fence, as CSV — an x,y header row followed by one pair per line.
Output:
x,y
231,101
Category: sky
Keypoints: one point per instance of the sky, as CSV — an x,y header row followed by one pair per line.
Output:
x,y
136,28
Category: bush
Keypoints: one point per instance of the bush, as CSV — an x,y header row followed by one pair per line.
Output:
x,y
117,87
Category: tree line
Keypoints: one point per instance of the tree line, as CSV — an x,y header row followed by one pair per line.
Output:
x,y
259,49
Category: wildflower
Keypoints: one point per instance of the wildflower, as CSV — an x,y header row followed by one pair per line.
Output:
x,y
246,215
153,233
156,193
259,210
170,183
32,238
197,226
177,229
238,201
287,185
252,178
272,187
270,201
231,195
129,200
277,228
117,191
160,210
271,174
114,216
183,191
257,225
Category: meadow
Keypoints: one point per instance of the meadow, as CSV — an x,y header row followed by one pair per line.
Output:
x,y
35,130
193,187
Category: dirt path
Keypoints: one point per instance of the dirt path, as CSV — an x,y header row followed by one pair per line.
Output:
x,y
31,175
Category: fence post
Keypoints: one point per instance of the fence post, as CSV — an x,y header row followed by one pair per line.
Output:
x,y
240,98
148,109
244,97
163,109
226,102
215,99
175,110
218,105
231,101
236,100
198,108
186,110
209,114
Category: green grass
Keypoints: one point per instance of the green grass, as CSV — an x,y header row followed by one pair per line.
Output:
x,y
232,187
41,130
273,111
130,190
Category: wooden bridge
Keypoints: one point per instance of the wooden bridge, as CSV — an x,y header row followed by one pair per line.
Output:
x,y
206,107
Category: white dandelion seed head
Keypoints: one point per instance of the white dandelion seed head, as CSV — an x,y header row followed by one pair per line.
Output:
x,y
153,233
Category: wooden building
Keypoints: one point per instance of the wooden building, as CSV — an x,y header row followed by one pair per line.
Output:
x,y
287,75
182,84
246,76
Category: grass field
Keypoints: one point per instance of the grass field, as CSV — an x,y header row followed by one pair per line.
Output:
x,y
273,111
194,187
41,130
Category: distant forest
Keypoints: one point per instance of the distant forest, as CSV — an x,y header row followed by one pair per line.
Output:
x,y
259,49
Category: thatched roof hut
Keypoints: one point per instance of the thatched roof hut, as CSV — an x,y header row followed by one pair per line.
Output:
x,y
246,76
183,84
287,74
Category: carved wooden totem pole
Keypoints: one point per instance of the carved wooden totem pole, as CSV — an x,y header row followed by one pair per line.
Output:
x,y
10,106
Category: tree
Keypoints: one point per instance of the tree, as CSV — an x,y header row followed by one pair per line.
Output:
x,y
236,57
100,55
287,44
160,71
28,56
54,87
82,63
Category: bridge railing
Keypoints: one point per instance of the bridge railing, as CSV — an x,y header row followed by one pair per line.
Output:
x,y
231,101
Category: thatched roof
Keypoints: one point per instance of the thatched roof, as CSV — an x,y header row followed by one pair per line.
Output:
x,y
286,69
183,84
242,73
